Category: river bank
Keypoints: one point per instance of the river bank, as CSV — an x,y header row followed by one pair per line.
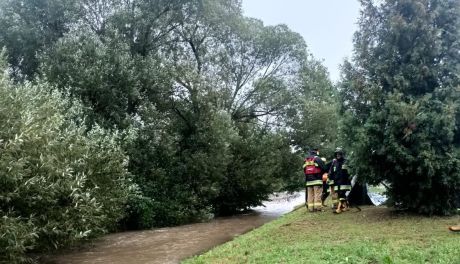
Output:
x,y
171,245
374,235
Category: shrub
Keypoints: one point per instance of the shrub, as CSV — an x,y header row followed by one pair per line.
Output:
x,y
59,182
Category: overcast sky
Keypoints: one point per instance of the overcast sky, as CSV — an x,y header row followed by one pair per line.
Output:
x,y
326,25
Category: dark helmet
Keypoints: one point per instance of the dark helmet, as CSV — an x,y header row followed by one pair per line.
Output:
x,y
314,151
338,151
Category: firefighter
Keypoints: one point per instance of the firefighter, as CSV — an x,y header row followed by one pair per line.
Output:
x,y
342,183
314,168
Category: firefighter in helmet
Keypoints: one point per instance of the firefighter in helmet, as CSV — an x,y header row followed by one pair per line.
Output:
x,y
314,168
338,173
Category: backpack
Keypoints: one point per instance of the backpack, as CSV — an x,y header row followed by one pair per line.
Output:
x,y
311,167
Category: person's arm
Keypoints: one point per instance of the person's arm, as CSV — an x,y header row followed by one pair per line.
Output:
x,y
321,164
331,170
345,171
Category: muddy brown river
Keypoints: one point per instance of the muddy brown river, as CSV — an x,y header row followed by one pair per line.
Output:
x,y
173,244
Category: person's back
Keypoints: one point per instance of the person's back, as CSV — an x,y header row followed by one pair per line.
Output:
x,y
314,168
341,176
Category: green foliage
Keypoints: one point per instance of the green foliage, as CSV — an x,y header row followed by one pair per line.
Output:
x,y
180,181
313,113
250,175
99,73
201,142
59,183
17,236
203,93
140,212
29,27
400,104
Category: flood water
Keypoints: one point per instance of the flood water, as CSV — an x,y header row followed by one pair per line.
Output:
x,y
173,244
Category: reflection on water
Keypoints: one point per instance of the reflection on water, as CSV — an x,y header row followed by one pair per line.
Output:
x,y
170,245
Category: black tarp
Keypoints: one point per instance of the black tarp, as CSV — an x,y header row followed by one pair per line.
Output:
x,y
359,195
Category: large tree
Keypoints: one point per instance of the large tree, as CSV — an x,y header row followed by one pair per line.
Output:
x,y
228,73
400,101
206,90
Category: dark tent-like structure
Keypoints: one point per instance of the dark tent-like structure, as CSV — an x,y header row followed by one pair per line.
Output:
x,y
360,195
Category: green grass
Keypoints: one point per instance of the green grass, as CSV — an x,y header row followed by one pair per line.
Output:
x,y
374,235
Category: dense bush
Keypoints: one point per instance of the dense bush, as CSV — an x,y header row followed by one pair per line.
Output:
x,y
254,170
59,183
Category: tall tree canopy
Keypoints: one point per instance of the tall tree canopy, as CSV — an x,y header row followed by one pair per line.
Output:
x,y
213,100
400,98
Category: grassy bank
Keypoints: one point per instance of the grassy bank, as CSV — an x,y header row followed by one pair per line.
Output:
x,y
374,235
